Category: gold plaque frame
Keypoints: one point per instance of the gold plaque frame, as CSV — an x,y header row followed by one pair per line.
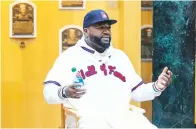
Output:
x,y
22,20
72,4
68,36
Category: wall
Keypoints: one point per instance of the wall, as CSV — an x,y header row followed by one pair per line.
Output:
x,y
24,70
177,51
146,66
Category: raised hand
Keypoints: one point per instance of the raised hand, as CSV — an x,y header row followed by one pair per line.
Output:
x,y
164,79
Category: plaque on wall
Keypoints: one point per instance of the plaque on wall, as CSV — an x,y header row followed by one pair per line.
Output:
x,y
72,4
146,5
22,20
146,42
68,36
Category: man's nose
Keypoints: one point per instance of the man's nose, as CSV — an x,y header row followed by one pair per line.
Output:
x,y
107,31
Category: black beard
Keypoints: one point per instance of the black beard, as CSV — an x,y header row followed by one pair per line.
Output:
x,y
98,41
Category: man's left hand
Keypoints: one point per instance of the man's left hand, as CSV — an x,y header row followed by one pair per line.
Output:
x,y
164,79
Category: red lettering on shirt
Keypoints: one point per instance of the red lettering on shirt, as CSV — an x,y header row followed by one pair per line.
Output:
x,y
111,68
103,68
120,76
91,71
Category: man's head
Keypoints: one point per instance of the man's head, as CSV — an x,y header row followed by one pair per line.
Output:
x,y
97,32
72,34
22,9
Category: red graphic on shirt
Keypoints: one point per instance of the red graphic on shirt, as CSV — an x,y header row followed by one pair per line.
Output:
x,y
91,71
112,71
111,68
103,68
120,76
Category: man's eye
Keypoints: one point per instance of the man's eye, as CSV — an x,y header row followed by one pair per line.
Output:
x,y
99,27
104,27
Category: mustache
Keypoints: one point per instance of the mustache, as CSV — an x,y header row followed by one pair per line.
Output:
x,y
106,36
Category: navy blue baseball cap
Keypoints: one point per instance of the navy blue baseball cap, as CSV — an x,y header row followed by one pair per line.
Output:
x,y
97,16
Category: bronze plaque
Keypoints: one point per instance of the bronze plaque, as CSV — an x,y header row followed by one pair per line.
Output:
x,y
146,41
72,4
146,5
67,3
23,19
70,36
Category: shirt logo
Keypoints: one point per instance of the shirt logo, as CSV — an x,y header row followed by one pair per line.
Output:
x,y
107,70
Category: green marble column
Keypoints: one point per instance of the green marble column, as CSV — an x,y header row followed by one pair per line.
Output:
x,y
174,46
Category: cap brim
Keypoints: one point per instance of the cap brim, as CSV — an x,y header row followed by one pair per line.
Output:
x,y
110,22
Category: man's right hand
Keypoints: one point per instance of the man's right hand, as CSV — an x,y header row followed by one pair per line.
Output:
x,y
72,92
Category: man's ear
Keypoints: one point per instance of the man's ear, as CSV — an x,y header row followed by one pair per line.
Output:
x,y
85,31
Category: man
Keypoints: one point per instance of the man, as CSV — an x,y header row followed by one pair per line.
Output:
x,y
109,77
